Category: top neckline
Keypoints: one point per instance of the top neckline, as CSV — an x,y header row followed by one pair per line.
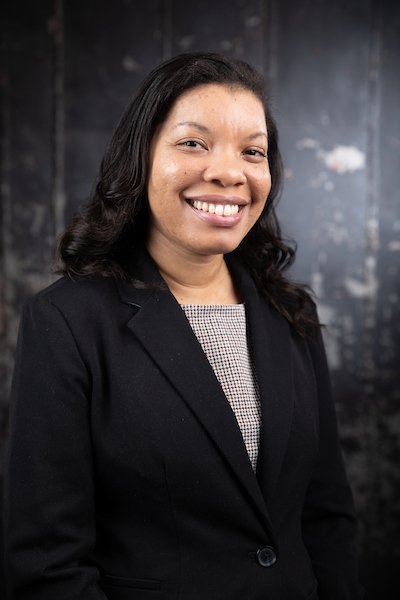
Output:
x,y
240,306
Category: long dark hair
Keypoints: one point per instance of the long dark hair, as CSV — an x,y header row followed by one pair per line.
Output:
x,y
116,217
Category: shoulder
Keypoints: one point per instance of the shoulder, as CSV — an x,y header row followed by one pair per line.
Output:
x,y
67,291
79,300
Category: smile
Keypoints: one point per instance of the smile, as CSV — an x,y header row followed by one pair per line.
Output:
x,y
221,210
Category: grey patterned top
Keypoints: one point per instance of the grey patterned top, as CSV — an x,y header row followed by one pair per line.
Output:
x,y
221,331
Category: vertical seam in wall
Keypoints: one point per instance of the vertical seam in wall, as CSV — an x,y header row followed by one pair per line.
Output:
x,y
166,24
371,257
270,54
5,254
58,180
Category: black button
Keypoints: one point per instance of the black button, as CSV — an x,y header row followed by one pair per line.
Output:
x,y
266,556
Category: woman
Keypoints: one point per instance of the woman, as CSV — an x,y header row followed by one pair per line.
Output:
x,y
173,433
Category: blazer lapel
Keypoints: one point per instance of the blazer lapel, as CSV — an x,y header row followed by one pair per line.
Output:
x,y
164,332
270,335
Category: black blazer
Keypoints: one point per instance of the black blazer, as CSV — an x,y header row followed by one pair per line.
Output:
x,y
128,477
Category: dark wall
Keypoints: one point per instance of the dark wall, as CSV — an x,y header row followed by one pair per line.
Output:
x,y
333,75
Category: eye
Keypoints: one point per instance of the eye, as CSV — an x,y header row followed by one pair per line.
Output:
x,y
255,152
191,144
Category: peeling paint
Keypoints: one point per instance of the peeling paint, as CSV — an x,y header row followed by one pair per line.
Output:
x,y
325,119
327,315
343,159
307,144
226,45
253,22
360,289
130,64
372,227
394,246
187,41
317,283
322,181
364,289
338,233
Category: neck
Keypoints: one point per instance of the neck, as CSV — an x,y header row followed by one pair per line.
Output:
x,y
196,279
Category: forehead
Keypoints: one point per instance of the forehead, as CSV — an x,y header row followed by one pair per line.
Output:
x,y
218,101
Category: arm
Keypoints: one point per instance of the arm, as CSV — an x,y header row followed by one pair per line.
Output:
x,y
49,500
329,523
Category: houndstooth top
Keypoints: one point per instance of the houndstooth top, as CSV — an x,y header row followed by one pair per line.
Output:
x,y
221,331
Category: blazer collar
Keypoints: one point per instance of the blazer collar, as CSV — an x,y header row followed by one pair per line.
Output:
x,y
164,332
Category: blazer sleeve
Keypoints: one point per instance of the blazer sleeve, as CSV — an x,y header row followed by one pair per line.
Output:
x,y
49,498
329,522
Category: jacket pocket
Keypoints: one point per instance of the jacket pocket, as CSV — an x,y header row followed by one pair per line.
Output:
x,y
129,582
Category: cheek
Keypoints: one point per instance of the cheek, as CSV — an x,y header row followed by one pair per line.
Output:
x,y
262,188
167,173
267,182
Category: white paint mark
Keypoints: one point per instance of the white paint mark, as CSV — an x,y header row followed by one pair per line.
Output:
x,y
367,288
317,283
361,289
394,142
373,232
320,180
327,315
226,45
325,118
187,41
38,219
338,233
329,186
370,262
348,324
343,159
322,257
129,64
394,246
307,144
253,22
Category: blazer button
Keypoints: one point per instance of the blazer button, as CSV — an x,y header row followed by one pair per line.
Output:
x,y
266,556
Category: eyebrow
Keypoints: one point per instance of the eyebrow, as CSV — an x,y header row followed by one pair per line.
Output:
x,y
205,129
256,135
192,124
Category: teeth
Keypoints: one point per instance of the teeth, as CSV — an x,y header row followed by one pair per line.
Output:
x,y
225,210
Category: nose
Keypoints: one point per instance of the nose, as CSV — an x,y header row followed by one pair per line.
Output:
x,y
225,170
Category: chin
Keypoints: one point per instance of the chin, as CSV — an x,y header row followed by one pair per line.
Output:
x,y
218,249
217,244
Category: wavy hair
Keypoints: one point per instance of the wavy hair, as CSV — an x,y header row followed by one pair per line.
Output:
x,y
115,219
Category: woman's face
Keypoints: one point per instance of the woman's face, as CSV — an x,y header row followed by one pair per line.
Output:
x,y
209,174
